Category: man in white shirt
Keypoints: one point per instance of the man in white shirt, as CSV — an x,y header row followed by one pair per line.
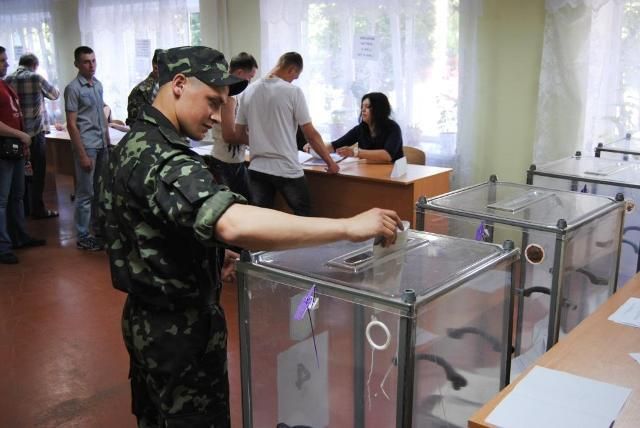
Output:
x,y
272,109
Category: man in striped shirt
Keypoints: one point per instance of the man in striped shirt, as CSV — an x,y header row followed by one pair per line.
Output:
x,y
32,88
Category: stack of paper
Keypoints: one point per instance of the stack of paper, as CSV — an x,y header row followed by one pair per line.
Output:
x,y
554,399
628,313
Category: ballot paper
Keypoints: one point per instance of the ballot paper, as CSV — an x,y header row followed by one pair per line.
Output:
x,y
554,399
315,159
628,313
400,244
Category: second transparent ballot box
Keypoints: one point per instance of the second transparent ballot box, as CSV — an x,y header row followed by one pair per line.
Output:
x,y
627,148
345,335
570,245
600,176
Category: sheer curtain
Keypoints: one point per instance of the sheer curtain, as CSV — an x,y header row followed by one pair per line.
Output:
x,y
124,34
581,99
25,27
408,49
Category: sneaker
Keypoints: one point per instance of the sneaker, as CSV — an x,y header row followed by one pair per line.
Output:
x,y
8,258
89,244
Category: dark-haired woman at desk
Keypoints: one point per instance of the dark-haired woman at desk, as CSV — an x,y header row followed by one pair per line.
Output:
x,y
379,137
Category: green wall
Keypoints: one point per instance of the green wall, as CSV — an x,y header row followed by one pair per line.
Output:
x,y
509,53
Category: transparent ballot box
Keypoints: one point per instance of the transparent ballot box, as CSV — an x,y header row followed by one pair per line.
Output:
x,y
570,245
627,148
345,335
600,176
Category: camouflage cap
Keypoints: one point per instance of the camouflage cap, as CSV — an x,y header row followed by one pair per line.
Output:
x,y
207,64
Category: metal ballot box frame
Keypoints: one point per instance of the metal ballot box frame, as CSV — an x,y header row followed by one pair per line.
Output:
x,y
570,244
626,148
600,176
333,336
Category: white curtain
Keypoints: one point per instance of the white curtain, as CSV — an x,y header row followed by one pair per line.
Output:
x,y
124,34
581,93
413,56
25,27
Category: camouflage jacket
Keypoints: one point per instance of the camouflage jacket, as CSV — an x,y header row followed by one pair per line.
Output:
x,y
160,205
141,95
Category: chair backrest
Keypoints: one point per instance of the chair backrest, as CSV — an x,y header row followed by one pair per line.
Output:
x,y
414,156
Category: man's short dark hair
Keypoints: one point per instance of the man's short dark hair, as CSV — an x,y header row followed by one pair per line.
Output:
x,y
242,61
2,50
81,50
290,59
28,60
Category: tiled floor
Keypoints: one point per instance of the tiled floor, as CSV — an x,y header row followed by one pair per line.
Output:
x,y
62,360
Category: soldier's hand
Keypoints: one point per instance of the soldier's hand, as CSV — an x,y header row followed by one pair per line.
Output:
x,y
376,222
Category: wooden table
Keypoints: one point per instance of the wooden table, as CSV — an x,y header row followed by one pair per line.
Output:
x,y
59,149
597,349
361,185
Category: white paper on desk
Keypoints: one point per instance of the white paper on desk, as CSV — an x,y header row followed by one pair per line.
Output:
x,y
635,356
316,160
554,399
628,313
399,168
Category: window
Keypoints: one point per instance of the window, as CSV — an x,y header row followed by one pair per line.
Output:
x,y
25,27
407,50
124,35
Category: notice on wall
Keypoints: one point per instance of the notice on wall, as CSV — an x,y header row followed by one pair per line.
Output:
x,y
365,47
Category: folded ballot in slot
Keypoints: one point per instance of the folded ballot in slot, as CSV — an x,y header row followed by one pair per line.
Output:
x,y
339,336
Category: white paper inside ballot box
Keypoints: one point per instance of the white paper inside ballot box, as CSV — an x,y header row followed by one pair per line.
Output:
x,y
303,393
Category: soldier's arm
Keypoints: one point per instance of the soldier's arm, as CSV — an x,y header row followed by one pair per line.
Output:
x,y
135,100
257,228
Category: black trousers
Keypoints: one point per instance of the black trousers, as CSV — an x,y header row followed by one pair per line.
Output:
x,y
294,191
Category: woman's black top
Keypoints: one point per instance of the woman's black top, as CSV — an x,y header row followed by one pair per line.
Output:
x,y
390,139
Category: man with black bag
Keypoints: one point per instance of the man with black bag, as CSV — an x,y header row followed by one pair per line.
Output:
x,y
14,146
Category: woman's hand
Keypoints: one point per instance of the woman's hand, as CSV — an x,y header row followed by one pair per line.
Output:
x,y
346,152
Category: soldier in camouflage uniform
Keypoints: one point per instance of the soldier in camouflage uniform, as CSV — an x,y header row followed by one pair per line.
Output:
x,y
167,226
144,92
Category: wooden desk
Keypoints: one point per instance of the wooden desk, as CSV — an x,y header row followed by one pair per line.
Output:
x,y
360,186
59,149
597,349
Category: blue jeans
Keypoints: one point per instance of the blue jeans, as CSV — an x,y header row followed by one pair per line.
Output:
x,y
86,217
13,227
294,191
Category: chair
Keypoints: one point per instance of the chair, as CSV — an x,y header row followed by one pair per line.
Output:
x,y
414,156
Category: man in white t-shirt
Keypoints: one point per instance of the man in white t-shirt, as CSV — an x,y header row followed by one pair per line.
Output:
x,y
272,109
228,152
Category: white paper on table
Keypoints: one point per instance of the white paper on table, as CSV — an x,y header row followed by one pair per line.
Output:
x,y
315,159
303,156
635,356
399,168
628,313
554,399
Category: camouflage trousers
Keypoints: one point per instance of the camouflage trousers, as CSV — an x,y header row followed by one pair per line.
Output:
x,y
178,365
